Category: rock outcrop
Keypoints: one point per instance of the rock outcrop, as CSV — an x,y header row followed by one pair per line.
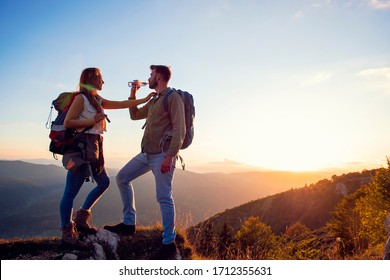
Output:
x,y
105,245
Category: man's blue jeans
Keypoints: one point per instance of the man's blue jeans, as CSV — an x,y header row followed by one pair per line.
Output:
x,y
74,181
139,165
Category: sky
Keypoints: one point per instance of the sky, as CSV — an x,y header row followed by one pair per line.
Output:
x,y
278,85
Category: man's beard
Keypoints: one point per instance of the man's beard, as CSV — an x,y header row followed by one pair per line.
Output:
x,y
152,84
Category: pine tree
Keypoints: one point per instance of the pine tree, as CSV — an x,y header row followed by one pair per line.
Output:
x,y
345,224
374,208
255,239
226,238
207,244
359,218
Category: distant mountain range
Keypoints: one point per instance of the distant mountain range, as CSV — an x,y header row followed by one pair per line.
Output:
x,y
30,195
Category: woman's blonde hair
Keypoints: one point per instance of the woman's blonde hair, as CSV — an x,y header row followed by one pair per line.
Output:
x,y
85,86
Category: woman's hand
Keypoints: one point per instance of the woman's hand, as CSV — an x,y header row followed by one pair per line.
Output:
x,y
150,95
99,117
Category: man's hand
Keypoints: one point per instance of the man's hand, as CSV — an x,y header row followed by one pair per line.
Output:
x,y
166,164
133,91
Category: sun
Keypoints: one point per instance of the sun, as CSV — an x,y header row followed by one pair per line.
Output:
x,y
295,149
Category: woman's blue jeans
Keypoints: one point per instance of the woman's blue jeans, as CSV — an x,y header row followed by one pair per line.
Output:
x,y
139,165
74,181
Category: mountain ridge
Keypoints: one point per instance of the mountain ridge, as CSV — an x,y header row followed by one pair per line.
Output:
x,y
34,190
312,197
310,222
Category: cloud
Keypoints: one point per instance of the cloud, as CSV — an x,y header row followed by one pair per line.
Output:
x,y
217,8
230,166
363,165
379,4
298,16
383,72
227,162
317,79
321,4
21,125
376,79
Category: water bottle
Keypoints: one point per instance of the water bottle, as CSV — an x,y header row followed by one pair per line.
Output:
x,y
137,83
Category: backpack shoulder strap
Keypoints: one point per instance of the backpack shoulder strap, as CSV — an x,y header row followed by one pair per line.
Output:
x,y
165,101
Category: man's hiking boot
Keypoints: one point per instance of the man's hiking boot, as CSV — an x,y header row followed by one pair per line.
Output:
x,y
122,229
82,219
168,252
70,238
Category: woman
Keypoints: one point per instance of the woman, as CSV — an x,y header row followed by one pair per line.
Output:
x,y
87,111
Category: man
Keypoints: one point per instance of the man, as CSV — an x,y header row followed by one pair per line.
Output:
x,y
158,155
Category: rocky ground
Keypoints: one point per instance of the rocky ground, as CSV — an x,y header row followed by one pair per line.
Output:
x,y
104,245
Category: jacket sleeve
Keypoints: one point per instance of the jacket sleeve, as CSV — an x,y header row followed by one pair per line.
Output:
x,y
176,111
140,113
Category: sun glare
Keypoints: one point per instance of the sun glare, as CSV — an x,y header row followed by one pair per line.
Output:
x,y
295,144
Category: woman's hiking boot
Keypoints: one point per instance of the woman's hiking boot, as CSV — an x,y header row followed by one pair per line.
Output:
x,y
82,219
70,238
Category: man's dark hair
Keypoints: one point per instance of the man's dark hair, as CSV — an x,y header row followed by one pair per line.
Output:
x,y
163,70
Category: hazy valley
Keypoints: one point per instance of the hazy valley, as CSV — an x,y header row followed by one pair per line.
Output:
x,y
30,195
